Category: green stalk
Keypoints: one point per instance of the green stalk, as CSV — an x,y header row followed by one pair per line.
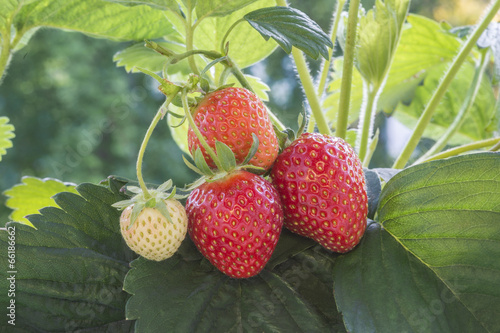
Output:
x,y
309,90
223,42
325,67
345,85
144,144
197,132
189,41
308,85
464,110
426,116
465,148
365,124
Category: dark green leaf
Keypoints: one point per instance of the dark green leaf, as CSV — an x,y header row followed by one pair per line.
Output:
x,y
187,294
447,214
219,7
289,245
386,173
225,155
381,287
373,189
70,271
290,27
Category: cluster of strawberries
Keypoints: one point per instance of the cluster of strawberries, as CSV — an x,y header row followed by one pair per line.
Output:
x,y
315,187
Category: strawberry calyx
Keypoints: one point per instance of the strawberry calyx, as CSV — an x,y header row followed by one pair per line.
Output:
x,y
155,199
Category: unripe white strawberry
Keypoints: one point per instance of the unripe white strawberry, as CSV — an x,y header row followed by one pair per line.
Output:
x,y
152,235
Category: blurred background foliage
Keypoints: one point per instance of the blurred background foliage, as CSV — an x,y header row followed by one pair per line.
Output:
x,y
79,118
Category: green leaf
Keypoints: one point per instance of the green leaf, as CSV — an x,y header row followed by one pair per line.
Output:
x,y
179,133
430,264
380,287
95,18
140,56
246,46
290,27
423,46
157,4
185,294
219,7
452,207
6,134
69,272
226,156
378,35
373,189
7,8
32,195
476,121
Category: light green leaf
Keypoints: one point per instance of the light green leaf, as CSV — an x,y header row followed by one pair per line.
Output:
x,y
95,18
476,121
246,46
70,270
291,27
206,8
6,134
378,35
7,8
431,263
179,133
157,4
140,56
32,195
423,46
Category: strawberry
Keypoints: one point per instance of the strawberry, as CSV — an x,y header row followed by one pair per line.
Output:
x,y
231,115
152,235
322,187
235,222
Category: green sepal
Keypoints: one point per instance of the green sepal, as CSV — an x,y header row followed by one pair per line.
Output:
x,y
138,207
162,207
165,186
253,149
151,203
199,161
226,156
191,166
302,122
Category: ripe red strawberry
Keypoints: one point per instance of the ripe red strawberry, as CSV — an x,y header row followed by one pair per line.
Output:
x,y
322,187
235,222
231,115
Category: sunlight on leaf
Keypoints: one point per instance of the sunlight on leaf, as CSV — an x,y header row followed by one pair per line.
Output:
x,y
33,194
6,134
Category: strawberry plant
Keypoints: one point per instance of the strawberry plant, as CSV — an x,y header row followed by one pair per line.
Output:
x,y
282,230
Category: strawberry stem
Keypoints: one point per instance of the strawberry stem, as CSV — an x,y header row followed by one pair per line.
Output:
x,y
140,157
345,85
197,132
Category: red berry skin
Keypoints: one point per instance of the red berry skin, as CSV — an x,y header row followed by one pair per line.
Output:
x,y
235,222
231,115
322,187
